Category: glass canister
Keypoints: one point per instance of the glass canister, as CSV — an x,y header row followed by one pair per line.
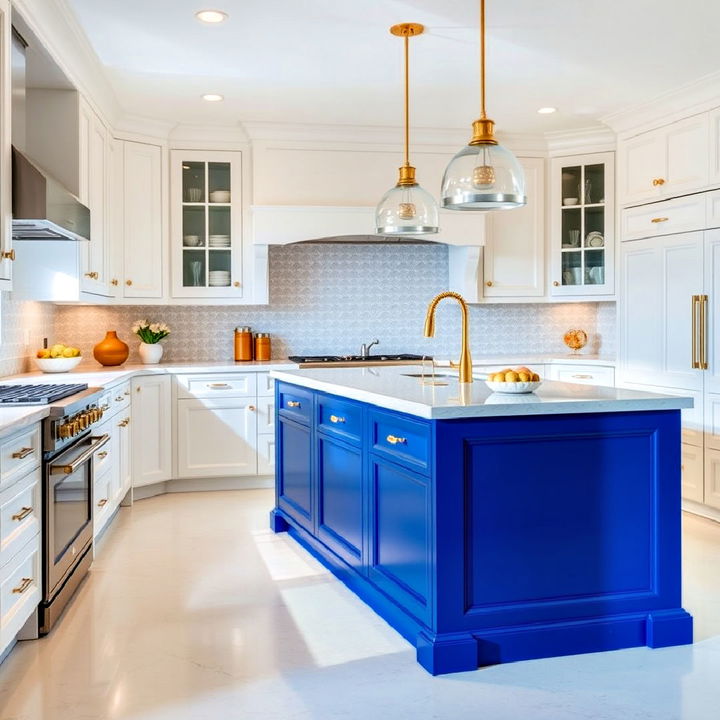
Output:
x,y
243,344
262,346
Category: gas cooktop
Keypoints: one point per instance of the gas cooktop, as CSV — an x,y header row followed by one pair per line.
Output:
x,y
329,359
38,394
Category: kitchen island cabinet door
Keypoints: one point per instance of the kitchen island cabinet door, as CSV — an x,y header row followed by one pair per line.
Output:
x,y
340,499
151,429
294,480
216,438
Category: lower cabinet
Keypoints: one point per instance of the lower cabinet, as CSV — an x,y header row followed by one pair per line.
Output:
x,y
294,477
151,429
216,438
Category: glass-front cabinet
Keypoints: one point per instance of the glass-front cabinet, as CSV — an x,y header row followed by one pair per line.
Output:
x,y
581,232
207,224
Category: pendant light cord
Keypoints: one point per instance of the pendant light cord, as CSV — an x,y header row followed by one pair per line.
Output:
x,y
483,114
407,99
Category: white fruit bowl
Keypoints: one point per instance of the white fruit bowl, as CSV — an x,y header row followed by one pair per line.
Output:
x,y
513,388
57,365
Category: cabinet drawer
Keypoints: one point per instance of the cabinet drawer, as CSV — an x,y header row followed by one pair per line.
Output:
x,y
106,456
119,398
20,583
19,514
19,453
295,403
265,385
339,418
405,441
583,374
216,386
683,214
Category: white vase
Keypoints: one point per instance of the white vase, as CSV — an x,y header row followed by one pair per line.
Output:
x,y
150,353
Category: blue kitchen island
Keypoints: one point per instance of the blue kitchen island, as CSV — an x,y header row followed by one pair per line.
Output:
x,y
488,528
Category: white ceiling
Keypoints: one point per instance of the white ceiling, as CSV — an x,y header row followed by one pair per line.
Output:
x,y
334,61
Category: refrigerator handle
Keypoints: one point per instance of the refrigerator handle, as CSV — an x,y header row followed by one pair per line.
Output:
x,y
703,331
695,364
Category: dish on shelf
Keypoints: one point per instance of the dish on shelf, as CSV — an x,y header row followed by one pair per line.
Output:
x,y
570,201
192,240
220,196
513,388
595,239
194,194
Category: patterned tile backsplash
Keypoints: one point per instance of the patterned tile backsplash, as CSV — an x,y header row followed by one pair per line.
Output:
x,y
332,298
325,299
21,320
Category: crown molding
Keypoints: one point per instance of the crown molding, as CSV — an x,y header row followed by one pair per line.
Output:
x,y
56,27
595,138
208,134
690,99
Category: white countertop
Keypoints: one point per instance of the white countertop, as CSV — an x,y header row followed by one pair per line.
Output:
x,y
391,388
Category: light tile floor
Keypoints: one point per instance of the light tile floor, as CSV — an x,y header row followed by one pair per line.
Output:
x,y
195,611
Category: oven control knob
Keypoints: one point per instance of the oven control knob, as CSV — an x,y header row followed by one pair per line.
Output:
x,y
82,421
64,431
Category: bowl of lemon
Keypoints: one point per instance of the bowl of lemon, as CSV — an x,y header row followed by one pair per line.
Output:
x,y
518,381
58,359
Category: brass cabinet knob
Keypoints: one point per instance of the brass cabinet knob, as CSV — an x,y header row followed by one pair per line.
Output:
x,y
128,283
556,283
658,181
8,254
114,282
92,275
236,283
489,283
252,408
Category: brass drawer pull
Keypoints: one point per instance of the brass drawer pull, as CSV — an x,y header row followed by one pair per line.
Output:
x,y
659,220
23,586
252,408
102,454
393,440
20,454
22,514
219,386
336,419
124,423
92,275
583,377
294,403
102,503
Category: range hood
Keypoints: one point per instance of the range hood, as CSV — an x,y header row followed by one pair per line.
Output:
x,y
42,208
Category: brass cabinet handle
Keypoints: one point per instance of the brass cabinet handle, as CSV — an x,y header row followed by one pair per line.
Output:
x,y
23,586
489,283
20,454
703,332
556,283
294,403
695,363
92,275
102,454
102,503
96,443
8,254
218,386
396,440
659,219
128,283
24,512
583,377
252,408
336,419
124,423
114,282
658,181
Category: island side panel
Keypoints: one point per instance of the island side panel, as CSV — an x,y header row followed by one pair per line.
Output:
x,y
559,534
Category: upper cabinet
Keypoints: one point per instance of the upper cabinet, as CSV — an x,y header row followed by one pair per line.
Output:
x,y
514,253
206,230
6,253
666,162
581,228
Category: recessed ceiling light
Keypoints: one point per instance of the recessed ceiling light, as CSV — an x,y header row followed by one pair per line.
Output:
x,y
547,110
212,97
211,16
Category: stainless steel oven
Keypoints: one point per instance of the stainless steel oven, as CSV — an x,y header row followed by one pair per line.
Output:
x,y
70,444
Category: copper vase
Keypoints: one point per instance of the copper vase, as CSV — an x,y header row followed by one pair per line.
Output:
x,y
112,350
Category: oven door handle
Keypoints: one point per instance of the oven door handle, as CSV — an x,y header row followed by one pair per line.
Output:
x,y
97,442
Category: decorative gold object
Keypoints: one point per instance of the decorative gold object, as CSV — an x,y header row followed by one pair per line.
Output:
x,y
466,370
111,350
575,339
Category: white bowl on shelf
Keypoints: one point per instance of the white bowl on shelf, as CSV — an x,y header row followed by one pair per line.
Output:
x,y
192,240
57,365
220,196
570,201
513,388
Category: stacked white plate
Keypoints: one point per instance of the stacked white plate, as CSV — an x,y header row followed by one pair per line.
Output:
x,y
219,278
219,241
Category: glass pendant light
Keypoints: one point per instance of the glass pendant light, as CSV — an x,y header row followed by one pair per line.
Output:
x,y
407,209
484,175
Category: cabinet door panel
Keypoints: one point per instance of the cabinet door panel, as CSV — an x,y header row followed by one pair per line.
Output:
x,y
151,429
400,536
294,471
641,160
340,499
692,473
687,155
712,478
142,235
216,438
514,255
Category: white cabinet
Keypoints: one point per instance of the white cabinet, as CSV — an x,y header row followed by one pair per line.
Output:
x,y
206,229
216,438
151,429
94,178
692,473
6,254
142,220
669,161
514,253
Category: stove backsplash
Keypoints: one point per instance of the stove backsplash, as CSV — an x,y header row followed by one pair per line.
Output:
x,y
331,298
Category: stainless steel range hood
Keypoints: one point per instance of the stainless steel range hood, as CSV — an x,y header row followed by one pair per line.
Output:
x,y
42,208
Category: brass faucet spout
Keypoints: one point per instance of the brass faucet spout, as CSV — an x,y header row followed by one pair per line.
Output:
x,y
466,369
